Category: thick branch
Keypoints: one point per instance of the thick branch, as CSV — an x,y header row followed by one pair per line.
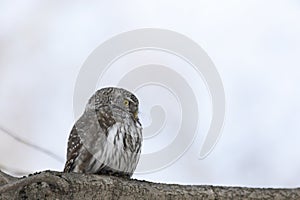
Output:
x,y
57,185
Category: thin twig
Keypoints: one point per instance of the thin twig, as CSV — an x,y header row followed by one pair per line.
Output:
x,y
14,171
36,147
6,178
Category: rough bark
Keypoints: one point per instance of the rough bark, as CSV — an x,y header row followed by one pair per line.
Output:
x,y
58,185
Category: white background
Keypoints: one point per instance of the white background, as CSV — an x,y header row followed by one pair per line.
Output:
x,y
255,46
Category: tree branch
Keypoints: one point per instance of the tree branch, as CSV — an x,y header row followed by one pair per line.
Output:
x,y
58,185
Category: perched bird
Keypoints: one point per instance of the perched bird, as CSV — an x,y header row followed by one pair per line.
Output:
x,y
107,138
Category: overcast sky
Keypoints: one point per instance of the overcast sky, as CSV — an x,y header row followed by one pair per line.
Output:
x,y
254,45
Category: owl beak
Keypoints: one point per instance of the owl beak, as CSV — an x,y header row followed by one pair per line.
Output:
x,y
136,115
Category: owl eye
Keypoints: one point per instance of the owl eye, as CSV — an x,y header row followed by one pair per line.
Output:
x,y
126,102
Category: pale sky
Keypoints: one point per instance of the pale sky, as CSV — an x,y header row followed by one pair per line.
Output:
x,y
254,45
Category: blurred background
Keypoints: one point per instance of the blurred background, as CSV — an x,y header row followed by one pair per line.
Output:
x,y
254,45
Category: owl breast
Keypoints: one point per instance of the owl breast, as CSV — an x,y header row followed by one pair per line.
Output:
x,y
121,150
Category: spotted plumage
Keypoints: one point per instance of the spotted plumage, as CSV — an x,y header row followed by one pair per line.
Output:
x,y
107,138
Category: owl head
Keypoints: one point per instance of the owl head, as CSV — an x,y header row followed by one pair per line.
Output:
x,y
116,98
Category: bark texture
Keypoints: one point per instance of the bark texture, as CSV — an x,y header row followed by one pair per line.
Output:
x,y
58,185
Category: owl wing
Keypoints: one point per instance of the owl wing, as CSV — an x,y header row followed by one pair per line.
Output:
x,y
87,138
74,146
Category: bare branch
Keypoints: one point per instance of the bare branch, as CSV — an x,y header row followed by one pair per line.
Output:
x,y
57,185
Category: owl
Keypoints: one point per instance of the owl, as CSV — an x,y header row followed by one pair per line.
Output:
x,y
107,138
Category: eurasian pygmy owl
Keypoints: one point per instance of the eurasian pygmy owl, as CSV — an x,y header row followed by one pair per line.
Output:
x,y
107,138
